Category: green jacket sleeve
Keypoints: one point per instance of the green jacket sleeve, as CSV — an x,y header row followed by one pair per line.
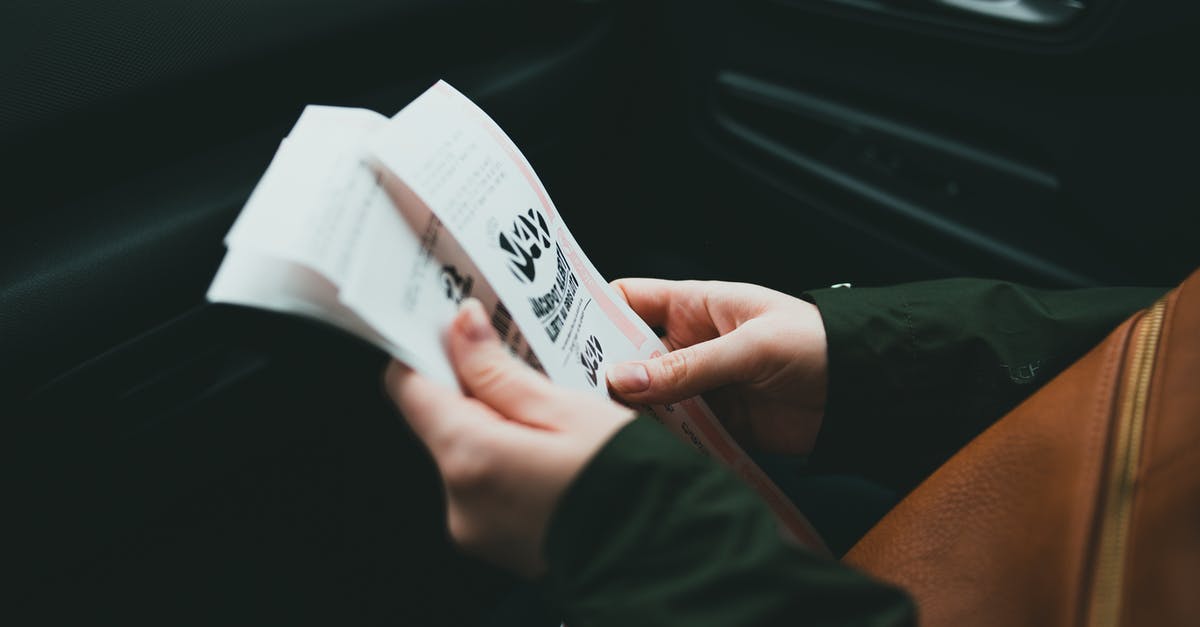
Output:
x,y
651,533
917,370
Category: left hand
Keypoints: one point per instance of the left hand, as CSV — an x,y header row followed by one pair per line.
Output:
x,y
506,450
760,358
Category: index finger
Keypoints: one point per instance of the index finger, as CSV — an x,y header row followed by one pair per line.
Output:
x,y
650,299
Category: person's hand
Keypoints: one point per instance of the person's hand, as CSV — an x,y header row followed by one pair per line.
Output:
x,y
508,449
758,356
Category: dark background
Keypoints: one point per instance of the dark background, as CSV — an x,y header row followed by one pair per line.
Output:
x,y
170,461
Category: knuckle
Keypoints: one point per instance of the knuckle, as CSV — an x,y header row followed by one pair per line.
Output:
x,y
388,379
465,467
674,366
392,381
463,532
489,374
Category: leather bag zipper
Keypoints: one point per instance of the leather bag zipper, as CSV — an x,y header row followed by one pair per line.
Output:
x,y
1105,603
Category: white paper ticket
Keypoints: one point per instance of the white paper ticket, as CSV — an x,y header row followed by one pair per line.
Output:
x,y
382,227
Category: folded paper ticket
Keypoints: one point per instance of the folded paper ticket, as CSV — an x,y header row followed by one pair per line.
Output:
x,y
381,227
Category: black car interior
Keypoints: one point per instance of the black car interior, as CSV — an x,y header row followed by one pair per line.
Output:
x,y
170,461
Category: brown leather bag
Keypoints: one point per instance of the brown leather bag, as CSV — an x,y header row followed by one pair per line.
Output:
x,y
1079,507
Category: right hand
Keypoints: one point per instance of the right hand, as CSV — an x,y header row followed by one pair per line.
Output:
x,y
757,355
507,446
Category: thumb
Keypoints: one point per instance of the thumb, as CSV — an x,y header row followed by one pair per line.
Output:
x,y
683,373
492,375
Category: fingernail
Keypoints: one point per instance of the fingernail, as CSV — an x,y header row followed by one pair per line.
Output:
x,y
629,377
475,323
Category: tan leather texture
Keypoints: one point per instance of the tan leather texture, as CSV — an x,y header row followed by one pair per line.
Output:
x,y
1006,532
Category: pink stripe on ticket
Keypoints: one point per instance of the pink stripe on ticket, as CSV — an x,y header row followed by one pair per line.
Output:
x,y
735,458
610,309
713,433
526,171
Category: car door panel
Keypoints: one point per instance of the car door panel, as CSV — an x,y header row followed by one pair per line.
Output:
x,y
165,456
1051,157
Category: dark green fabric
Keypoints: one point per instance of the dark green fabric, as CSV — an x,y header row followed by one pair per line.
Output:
x,y
918,370
651,533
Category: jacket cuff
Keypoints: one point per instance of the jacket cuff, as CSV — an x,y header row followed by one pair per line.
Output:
x,y
611,503
866,329
653,533
916,371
